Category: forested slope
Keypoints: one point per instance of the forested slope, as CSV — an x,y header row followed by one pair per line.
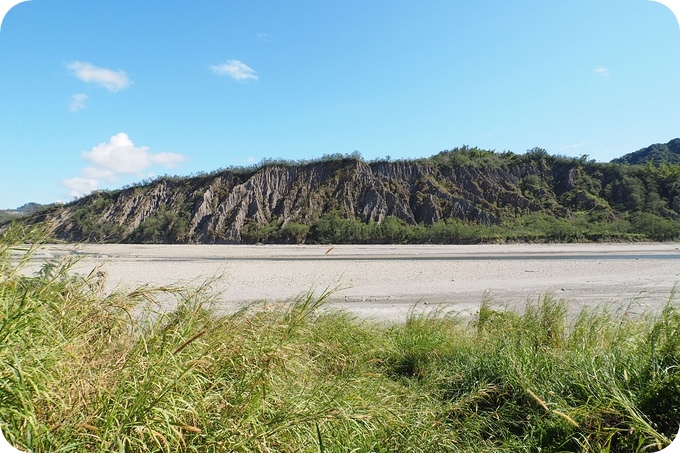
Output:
x,y
658,153
461,195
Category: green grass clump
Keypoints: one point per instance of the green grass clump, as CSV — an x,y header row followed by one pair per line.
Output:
x,y
82,370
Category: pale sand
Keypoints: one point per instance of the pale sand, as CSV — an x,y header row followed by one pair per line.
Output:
x,y
385,282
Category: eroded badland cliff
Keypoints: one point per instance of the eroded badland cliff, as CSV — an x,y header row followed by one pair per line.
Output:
x,y
468,185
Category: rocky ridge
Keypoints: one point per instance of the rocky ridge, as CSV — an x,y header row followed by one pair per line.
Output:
x,y
486,189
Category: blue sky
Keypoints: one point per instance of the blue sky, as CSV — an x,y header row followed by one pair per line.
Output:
x,y
99,94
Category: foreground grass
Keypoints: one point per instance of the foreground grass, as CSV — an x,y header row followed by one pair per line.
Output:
x,y
80,372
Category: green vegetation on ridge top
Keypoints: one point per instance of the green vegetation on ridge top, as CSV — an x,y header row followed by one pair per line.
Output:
x,y
657,153
462,195
79,373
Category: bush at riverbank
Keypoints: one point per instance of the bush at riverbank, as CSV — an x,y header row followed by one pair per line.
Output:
x,y
81,370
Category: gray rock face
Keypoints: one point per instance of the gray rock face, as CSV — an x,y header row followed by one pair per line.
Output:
x,y
217,208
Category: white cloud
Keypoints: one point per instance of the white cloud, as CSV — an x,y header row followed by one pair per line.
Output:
x,y
108,78
118,156
99,173
80,186
604,72
235,69
77,102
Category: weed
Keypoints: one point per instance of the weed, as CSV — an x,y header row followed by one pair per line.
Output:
x,y
82,370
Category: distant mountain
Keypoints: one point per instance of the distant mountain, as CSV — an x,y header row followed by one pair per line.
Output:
x,y
658,153
452,196
24,210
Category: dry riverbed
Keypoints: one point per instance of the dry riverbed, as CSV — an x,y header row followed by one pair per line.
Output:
x,y
386,281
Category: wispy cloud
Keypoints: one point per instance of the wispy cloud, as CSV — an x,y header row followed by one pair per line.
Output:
x,y
112,80
77,102
577,145
235,69
601,71
117,157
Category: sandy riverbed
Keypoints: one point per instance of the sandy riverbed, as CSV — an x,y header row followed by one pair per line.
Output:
x,y
385,282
